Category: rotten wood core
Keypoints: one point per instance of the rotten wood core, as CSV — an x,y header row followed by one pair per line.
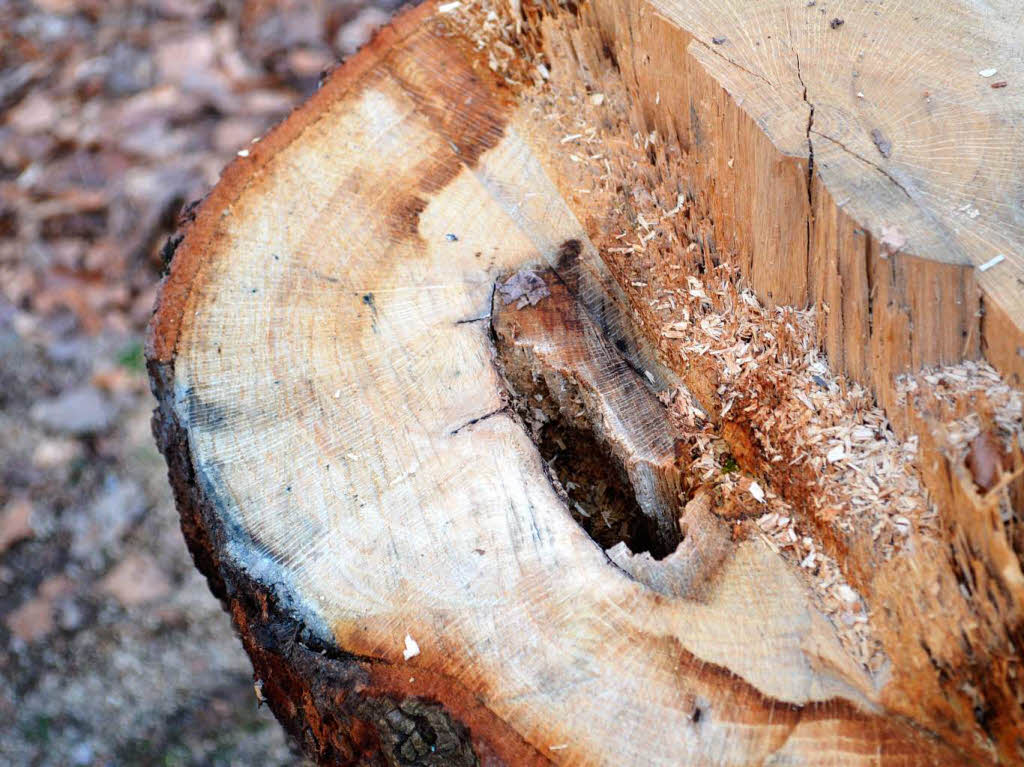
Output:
x,y
602,433
562,275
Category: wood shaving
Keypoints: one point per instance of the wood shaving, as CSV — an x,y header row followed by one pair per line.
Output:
x,y
828,463
992,262
412,649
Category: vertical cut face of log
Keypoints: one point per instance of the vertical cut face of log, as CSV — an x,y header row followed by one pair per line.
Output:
x,y
559,385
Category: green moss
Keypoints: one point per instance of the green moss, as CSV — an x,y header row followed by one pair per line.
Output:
x,y
132,357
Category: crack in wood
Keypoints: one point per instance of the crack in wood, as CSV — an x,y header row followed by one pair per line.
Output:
x,y
478,419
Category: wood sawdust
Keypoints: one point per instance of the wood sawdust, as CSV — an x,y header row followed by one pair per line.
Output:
x,y
826,457
771,518
827,461
970,389
798,455
980,413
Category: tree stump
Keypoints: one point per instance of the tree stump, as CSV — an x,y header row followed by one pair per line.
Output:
x,y
621,382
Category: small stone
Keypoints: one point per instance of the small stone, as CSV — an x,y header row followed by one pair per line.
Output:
x,y
70,615
307,62
419,746
136,580
78,411
62,7
836,23
234,133
131,71
447,741
400,722
265,102
51,453
408,751
56,587
186,58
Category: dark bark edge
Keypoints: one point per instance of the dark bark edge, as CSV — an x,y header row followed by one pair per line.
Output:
x,y
325,698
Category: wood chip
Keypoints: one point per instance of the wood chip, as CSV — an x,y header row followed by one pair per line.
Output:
x,y
892,240
992,262
412,649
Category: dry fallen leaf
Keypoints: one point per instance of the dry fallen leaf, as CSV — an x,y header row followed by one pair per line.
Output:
x,y
136,580
32,620
15,523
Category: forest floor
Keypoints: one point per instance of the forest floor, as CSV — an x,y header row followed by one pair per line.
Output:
x,y
113,116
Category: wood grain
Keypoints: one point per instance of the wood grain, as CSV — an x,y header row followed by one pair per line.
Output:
x,y
348,467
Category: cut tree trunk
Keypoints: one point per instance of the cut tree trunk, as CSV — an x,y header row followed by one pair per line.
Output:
x,y
621,382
